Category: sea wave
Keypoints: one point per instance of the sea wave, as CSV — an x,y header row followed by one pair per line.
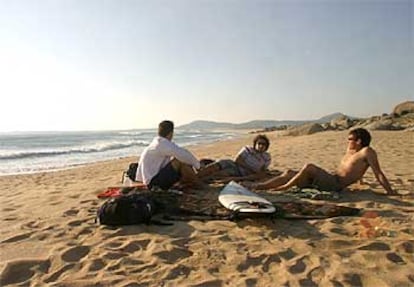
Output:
x,y
10,155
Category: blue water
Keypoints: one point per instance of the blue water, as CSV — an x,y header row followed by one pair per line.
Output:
x,y
28,152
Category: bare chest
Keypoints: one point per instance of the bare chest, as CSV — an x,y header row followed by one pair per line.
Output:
x,y
354,161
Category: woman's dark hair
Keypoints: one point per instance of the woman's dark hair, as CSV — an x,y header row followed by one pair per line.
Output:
x,y
361,134
263,138
165,128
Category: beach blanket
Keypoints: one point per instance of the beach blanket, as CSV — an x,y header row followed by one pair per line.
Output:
x,y
307,210
312,193
175,205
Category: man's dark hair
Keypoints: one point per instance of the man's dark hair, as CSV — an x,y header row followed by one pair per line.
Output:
x,y
165,128
361,134
263,138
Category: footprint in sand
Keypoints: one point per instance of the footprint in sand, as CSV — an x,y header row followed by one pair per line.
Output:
x,y
115,255
408,246
288,254
59,234
379,246
41,236
55,202
86,231
76,223
174,255
299,267
395,258
21,270
134,246
336,283
8,209
250,282
55,275
96,265
274,258
87,201
128,261
19,237
213,283
178,271
10,218
251,261
33,224
75,254
353,279
114,244
181,242
318,273
71,212
307,282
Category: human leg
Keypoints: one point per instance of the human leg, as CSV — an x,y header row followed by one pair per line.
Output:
x,y
188,176
308,176
221,168
208,170
276,181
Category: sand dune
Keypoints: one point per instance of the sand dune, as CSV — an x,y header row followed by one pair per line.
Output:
x,y
49,237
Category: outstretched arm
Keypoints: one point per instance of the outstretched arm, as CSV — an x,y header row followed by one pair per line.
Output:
x,y
380,176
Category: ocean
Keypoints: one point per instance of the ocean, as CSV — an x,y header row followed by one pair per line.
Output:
x,y
29,152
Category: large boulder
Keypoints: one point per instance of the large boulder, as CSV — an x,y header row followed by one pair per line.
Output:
x,y
384,125
341,123
404,108
305,129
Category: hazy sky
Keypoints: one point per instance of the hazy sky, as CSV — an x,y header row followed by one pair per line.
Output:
x,y
122,64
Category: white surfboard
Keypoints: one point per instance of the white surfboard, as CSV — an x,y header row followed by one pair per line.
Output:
x,y
238,198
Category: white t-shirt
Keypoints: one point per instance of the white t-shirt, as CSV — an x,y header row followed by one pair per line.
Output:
x,y
158,154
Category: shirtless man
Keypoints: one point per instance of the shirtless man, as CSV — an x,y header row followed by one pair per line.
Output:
x,y
358,157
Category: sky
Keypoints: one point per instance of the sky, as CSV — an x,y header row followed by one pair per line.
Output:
x,y
129,64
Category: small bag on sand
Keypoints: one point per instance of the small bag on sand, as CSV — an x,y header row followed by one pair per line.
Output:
x,y
126,210
132,171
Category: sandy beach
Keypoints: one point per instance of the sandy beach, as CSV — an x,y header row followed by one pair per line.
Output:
x,y
49,237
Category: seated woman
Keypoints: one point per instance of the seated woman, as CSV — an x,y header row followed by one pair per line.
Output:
x,y
250,163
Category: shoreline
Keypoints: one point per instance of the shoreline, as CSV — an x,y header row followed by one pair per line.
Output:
x,y
77,165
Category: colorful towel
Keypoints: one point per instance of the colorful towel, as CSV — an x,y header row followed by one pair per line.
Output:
x,y
121,190
307,210
312,193
110,192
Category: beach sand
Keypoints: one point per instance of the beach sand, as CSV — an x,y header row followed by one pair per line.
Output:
x,y
49,237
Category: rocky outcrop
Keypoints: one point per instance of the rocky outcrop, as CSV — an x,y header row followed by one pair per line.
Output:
x,y
341,123
384,125
306,129
402,118
404,108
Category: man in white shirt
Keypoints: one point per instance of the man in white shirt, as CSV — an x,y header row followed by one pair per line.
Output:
x,y
163,163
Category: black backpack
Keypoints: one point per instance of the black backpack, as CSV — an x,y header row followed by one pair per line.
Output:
x,y
132,171
126,210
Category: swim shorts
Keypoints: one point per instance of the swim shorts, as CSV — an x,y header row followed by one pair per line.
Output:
x,y
325,181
